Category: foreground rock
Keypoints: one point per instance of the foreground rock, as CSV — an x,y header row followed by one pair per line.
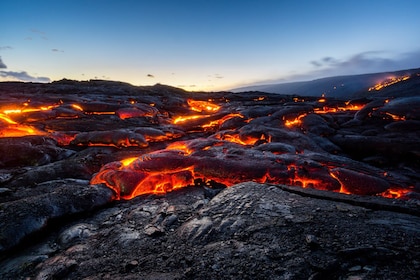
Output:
x,y
247,231
22,218
61,143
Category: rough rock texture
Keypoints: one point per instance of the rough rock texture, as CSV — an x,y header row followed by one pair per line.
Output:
x,y
21,218
250,230
70,150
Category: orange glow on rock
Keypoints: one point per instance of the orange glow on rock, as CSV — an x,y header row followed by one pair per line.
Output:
x,y
180,146
14,129
389,81
200,106
395,193
396,117
77,107
183,119
294,122
329,109
128,161
20,130
219,122
236,138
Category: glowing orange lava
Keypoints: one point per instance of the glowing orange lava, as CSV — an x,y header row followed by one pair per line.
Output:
x,y
200,106
183,119
296,121
395,193
389,81
12,128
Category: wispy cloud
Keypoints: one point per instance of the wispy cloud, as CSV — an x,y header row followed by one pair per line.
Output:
x,y
2,65
365,62
150,76
214,76
324,61
40,33
360,63
34,30
2,48
23,76
56,50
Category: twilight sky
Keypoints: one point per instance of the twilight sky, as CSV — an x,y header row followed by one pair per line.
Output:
x,y
205,44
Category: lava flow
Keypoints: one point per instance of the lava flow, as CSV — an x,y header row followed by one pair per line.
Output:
x,y
389,81
160,143
11,128
229,157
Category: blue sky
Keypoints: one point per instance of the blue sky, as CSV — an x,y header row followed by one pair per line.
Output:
x,y
205,45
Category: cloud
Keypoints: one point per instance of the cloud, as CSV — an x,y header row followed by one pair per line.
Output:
x,y
214,76
2,65
360,63
23,76
150,76
36,34
326,61
40,33
316,63
34,30
2,48
56,50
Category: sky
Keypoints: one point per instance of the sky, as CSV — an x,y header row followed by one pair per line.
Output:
x,y
205,45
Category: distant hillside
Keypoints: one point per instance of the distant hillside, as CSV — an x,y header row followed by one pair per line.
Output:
x,y
338,87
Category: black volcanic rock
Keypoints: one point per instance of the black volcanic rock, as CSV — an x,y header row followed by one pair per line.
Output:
x,y
99,141
248,230
20,219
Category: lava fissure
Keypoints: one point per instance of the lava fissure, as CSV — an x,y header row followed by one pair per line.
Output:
x,y
321,143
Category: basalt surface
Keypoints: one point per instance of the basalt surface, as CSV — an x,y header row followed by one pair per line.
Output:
x,y
106,180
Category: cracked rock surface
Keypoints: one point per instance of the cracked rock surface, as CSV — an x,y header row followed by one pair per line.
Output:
x,y
249,230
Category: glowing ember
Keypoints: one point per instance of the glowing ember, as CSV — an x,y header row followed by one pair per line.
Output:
x,y
19,131
395,117
128,161
180,146
200,106
235,138
13,129
334,109
388,82
294,122
77,107
183,119
219,122
395,193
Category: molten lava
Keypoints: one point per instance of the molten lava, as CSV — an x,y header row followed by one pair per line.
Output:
x,y
12,128
184,162
200,106
389,81
296,121
231,143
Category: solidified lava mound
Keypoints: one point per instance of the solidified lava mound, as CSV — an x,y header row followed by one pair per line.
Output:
x,y
86,167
